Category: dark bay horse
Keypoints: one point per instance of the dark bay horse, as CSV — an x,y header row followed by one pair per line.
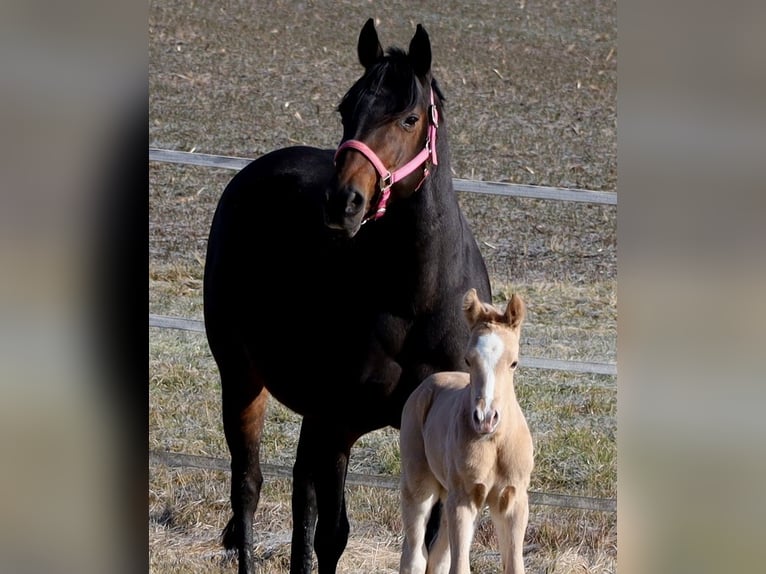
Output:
x,y
333,282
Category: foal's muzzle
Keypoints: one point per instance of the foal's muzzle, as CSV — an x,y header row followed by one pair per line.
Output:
x,y
485,421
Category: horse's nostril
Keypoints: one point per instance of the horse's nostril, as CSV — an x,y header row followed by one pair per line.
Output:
x,y
476,417
354,202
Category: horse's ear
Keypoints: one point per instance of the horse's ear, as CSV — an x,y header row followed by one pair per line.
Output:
x,y
369,48
516,311
472,307
420,52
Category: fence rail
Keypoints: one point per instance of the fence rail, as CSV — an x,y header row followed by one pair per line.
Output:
x,y
466,185
183,324
180,460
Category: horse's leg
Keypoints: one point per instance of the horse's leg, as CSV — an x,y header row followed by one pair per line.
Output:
x,y
462,516
319,503
419,496
510,522
304,508
244,401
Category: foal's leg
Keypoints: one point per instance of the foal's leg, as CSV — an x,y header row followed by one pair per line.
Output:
x,y
462,517
423,514
319,503
510,522
419,495
244,411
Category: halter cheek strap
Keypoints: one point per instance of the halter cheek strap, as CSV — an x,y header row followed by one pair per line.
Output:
x,y
388,178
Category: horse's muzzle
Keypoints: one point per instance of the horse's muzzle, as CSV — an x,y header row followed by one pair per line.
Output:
x,y
485,421
344,209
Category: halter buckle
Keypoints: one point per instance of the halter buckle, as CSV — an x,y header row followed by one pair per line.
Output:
x,y
385,181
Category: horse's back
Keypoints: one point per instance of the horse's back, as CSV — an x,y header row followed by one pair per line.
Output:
x,y
266,208
269,189
268,214
434,391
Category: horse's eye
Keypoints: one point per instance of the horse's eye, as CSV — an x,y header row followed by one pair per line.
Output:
x,y
513,365
410,121
467,362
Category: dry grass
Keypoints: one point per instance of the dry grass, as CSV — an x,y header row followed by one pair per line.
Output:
x,y
186,518
531,99
573,422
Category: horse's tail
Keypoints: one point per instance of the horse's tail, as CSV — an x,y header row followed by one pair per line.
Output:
x,y
229,535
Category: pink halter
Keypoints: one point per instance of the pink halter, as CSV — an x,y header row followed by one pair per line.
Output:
x,y
388,178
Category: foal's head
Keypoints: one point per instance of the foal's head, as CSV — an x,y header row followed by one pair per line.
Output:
x,y
492,356
387,111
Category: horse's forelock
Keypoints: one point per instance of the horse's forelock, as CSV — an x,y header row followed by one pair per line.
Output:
x,y
392,73
490,314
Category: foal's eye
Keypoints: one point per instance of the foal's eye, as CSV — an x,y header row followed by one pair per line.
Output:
x,y
513,365
410,121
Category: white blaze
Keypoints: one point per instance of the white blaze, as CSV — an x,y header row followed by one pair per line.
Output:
x,y
489,347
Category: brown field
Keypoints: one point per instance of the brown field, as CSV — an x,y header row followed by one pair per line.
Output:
x,y
531,98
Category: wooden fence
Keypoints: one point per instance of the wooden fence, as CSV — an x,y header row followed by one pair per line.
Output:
x,y
174,459
466,185
183,324
462,185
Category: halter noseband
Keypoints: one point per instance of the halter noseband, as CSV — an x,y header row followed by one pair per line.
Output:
x,y
388,178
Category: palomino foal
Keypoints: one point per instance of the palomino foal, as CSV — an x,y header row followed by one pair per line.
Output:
x,y
464,440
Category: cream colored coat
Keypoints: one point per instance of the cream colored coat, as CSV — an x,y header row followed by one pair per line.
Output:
x,y
465,440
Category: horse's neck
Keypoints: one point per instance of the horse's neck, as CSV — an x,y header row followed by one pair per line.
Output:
x,y
512,418
441,196
439,235
424,238
505,381
436,218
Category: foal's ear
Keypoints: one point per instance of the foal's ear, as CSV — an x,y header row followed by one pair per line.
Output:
x,y
368,48
420,52
472,307
516,311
